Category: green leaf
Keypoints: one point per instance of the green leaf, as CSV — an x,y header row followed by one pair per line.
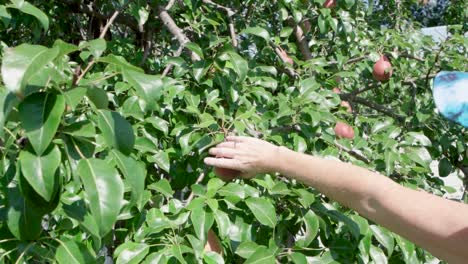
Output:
x,y
195,48
260,256
23,221
40,171
162,160
420,156
96,47
104,191
298,258
163,186
80,129
223,222
7,102
263,210
5,17
20,64
148,87
72,252
40,115
384,237
445,167
74,96
311,229
257,31
240,65
211,257
27,8
131,253
98,97
247,248
120,62
232,189
117,131
134,172
159,123
419,138
377,255
201,222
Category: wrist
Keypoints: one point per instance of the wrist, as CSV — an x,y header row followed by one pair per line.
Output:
x,y
282,160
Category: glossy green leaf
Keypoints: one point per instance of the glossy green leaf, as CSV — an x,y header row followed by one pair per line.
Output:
x,y
247,248
263,210
40,115
239,65
98,97
20,64
7,102
159,123
162,160
201,221
445,167
261,255
311,229
163,186
104,191
211,257
117,131
134,172
74,96
195,48
72,252
298,258
384,237
148,87
27,8
23,221
258,31
40,171
131,253
377,255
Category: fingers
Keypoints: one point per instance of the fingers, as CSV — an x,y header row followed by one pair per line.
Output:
x,y
227,144
223,152
238,138
222,163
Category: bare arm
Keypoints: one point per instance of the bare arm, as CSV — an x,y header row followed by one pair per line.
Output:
x,y
436,224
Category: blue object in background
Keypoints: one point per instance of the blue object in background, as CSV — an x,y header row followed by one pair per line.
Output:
x,y
450,91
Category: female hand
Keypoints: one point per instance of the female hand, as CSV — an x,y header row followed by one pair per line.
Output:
x,y
247,155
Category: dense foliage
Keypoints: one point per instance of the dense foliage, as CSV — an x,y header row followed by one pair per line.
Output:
x,y
108,108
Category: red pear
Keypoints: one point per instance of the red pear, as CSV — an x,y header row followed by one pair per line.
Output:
x,y
213,243
382,70
344,130
329,3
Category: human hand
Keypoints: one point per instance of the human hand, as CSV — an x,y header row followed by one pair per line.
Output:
x,y
247,155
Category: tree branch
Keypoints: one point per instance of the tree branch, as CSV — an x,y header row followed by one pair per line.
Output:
x,y
175,30
353,153
77,7
230,14
374,106
350,61
103,33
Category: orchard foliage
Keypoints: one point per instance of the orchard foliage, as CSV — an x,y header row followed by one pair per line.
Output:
x,y
108,109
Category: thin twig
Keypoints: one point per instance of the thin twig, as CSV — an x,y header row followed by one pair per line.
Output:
x,y
353,153
376,107
350,61
102,35
192,195
170,4
170,65
230,14
175,30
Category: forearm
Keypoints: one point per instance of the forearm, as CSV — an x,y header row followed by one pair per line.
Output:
x,y
431,222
